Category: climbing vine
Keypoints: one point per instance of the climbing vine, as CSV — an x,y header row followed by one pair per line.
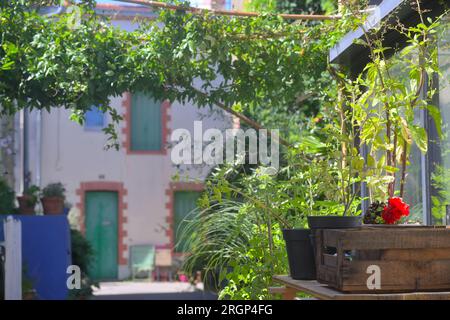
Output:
x,y
48,61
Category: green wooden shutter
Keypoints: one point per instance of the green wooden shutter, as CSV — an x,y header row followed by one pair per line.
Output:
x,y
146,126
185,202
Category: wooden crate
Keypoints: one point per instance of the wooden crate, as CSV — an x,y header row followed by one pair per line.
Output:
x,y
410,258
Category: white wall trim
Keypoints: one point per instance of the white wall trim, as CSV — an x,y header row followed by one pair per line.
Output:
x,y
13,259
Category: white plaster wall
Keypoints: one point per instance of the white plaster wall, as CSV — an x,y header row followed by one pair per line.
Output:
x,y
72,155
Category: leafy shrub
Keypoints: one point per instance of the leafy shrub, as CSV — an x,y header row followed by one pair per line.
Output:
x,y
7,198
54,190
82,252
33,192
82,256
28,289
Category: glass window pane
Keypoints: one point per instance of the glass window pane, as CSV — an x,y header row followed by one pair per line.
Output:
x,y
440,180
413,183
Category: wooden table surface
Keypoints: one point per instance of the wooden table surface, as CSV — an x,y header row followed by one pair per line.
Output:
x,y
323,292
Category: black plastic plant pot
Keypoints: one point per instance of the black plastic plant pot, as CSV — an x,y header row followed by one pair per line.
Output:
x,y
300,254
334,222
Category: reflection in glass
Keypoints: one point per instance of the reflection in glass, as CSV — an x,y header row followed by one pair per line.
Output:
x,y
413,182
440,178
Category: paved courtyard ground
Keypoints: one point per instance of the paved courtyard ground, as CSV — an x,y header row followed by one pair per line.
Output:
x,y
145,290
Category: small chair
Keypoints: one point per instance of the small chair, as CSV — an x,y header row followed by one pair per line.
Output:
x,y
163,262
142,260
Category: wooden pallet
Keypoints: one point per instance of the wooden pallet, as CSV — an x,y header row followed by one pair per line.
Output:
x,y
409,258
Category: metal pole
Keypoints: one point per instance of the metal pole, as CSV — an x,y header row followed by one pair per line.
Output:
x,y
26,165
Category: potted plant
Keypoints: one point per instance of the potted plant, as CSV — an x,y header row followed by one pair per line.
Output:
x,y
27,201
53,196
336,167
317,195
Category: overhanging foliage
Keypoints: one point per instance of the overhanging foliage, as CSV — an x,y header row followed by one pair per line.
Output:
x,y
50,61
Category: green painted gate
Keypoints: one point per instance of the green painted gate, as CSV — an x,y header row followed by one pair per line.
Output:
x,y
101,231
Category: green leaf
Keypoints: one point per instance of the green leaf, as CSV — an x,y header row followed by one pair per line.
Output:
x,y
406,133
370,161
8,65
358,163
390,169
420,137
435,113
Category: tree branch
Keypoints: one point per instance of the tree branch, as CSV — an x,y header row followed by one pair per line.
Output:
x,y
242,117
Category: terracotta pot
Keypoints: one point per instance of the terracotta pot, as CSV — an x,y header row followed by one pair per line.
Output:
x,y
53,205
26,205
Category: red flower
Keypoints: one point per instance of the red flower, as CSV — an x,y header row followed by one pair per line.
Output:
x,y
395,209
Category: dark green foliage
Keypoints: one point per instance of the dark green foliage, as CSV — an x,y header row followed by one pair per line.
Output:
x,y
373,214
82,256
7,198
54,190
33,192
82,252
27,282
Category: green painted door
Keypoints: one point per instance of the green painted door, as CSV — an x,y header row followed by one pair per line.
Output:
x,y
101,231
185,202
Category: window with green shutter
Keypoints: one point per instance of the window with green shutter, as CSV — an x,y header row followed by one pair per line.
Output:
x,y
184,203
146,124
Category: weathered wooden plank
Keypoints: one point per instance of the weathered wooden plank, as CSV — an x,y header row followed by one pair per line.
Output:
x,y
290,293
330,260
275,290
416,254
311,287
326,274
398,275
330,237
324,292
401,238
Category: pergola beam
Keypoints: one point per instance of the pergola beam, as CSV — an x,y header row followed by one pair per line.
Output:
x,y
194,10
